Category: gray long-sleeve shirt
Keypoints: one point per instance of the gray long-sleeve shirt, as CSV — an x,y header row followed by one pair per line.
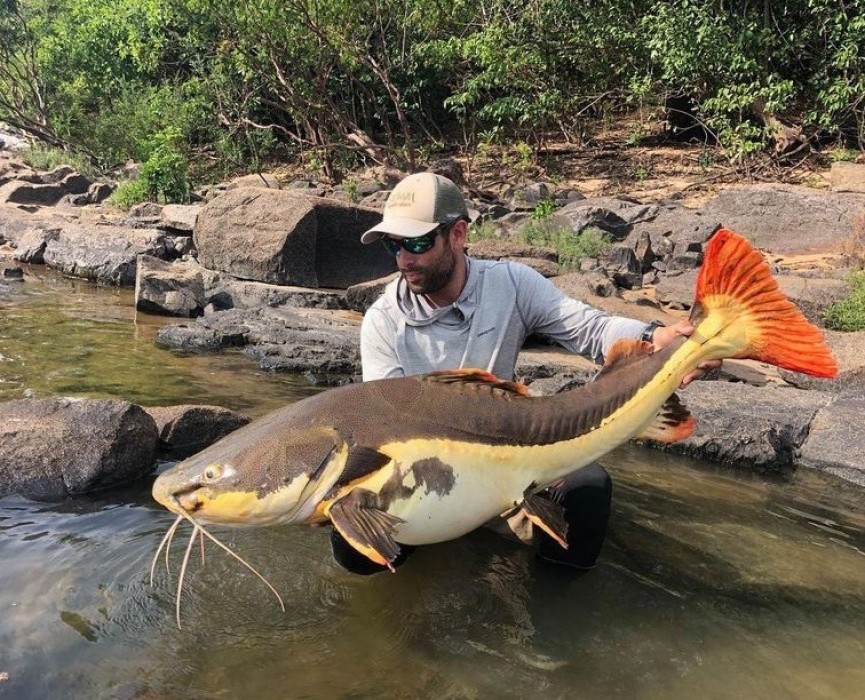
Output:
x,y
501,304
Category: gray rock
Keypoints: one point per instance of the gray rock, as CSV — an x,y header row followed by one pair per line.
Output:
x,y
623,267
527,198
146,210
759,427
187,429
787,219
615,216
173,289
833,444
17,192
54,448
227,292
106,254
179,217
98,192
360,297
31,246
75,183
283,237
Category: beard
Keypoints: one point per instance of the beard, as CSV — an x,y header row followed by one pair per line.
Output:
x,y
430,278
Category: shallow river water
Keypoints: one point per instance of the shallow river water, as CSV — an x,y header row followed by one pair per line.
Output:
x,y
713,583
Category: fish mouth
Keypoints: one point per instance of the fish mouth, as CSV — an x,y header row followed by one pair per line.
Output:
x,y
177,498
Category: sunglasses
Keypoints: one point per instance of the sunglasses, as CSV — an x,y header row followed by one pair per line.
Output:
x,y
415,246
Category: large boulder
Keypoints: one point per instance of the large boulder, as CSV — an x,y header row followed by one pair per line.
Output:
x,y
834,444
175,289
742,424
788,219
54,448
285,237
106,254
187,429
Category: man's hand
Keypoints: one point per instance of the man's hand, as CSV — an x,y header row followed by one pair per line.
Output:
x,y
664,335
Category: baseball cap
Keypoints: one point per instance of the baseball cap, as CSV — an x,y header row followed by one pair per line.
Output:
x,y
417,205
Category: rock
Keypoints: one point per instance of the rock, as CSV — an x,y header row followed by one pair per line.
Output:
x,y
359,297
284,339
17,192
172,289
499,249
146,210
540,265
13,273
527,198
54,448
227,292
185,430
179,217
847,177
256,180
106,254
788,219
759,427
282,237
98,192
31,246
56,176
834,444
615,216
623,267
677,291
75,183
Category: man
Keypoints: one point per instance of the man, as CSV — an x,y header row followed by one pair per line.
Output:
x,y
446,310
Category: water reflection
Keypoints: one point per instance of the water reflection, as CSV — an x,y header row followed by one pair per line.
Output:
x,y
712,584
72,338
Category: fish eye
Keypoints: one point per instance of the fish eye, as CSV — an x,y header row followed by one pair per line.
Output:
x,y
212,472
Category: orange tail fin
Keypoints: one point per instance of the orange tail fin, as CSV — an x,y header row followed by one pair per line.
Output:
x,y
736,283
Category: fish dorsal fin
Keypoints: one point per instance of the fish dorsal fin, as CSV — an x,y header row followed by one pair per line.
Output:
x,y
624,353
673,423
477,376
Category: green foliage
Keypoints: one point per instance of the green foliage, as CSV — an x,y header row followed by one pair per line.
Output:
x,y
485,230
164,174
339,82
848,314
48,157
129,193
571,248
544,209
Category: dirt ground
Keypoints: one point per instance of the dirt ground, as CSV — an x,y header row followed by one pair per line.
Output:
x,y
635,159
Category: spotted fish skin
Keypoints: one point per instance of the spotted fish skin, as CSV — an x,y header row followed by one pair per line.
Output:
x,y
424,459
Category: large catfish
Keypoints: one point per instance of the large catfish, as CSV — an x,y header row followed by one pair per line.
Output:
x,y
425,459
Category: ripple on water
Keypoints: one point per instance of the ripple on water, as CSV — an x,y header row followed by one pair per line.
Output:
x,y
712,583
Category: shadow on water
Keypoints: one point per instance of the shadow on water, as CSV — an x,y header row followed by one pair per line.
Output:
x,y
712,584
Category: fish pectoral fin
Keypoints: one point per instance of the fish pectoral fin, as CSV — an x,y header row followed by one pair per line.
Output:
x,y
546,514
360,462
366,527
673,423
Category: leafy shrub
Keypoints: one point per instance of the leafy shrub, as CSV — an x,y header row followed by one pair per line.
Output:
x,y
544,209
483,231
47,158
570,248
129,193
849,313
165,172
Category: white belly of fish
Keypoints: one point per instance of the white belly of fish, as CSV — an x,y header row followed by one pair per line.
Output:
x,y
467,485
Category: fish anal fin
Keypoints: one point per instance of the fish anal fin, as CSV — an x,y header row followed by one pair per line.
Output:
x,y
673,423
625,352
477,376
547,515
735,283
366,527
